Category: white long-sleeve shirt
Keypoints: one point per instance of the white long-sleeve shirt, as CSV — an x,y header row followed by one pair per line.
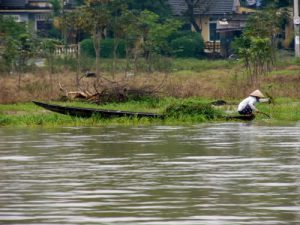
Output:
x,y
251,101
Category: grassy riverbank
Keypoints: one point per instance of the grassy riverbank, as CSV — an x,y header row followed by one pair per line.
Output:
x,y
188,82
178,112
28,114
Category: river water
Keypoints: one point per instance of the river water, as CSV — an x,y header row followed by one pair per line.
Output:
x,y
211,174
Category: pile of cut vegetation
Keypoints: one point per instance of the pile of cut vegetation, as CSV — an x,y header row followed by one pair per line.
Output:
x,y
192,109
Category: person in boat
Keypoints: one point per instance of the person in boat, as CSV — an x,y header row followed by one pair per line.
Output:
x,y
247,106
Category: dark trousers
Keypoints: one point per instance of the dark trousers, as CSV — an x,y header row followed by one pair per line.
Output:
x,y
246,111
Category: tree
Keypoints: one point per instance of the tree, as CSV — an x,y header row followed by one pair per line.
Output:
x,y
18,51
118,25
66,20
58,18
8,27
47,47
10,32
95,19
190,13
257,45
71,25
277,3
133,38
19,45
10,53
155,34
265,24
56,7
48,50
159,7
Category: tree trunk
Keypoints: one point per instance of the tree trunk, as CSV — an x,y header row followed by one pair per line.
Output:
x,y
191,15
19,80
128,61
78,64
116,43
97,41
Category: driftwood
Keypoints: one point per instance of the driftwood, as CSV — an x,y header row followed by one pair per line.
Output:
x,y
74,94
100,90
105,91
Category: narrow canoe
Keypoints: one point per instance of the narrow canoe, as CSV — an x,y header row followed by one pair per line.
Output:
x,y
88,112
241,117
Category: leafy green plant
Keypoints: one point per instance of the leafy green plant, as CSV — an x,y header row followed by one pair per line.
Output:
x,y
257,55
107,48
257,45
48,51
155,32
189,45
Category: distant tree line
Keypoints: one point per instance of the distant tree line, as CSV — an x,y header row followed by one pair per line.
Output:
x,y
129,29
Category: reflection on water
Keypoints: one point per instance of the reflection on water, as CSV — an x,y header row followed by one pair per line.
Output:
x,y
205,174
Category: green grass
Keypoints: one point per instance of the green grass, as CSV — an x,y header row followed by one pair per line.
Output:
x,y
199,65
161,64
28,114
18,108
284,109
153,105
177,111
284,60
285,72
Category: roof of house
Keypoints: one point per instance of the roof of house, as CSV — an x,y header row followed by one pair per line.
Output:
x,y
12,4
208,7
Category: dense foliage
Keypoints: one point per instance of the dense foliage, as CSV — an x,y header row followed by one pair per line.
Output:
x,y
277,3
187,44
134,30
258,43
159,7
106,48
18,44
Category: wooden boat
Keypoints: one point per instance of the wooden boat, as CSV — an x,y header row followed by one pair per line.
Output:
x,y
241,117
88,112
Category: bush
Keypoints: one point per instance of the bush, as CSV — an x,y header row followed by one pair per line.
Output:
x,y
190,44
87,48
107,48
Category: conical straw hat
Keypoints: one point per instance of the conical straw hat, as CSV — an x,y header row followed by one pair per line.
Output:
x,y
257,93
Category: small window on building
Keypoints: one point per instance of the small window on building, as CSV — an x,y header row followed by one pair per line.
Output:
x,y
213,35
42,22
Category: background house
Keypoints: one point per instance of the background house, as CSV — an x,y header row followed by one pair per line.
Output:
x,y
220,21
36,13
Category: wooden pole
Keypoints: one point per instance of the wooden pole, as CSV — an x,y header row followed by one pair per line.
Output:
x,y
296,28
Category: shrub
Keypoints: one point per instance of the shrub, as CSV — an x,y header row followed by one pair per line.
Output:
x,y
87,48
107,48
190,44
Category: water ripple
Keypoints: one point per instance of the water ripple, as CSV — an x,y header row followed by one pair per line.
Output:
x,y
227,174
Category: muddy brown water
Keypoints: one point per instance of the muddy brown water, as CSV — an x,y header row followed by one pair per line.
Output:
x,y
228,174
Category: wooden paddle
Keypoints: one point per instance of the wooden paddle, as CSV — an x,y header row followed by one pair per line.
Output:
x,y
264,114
